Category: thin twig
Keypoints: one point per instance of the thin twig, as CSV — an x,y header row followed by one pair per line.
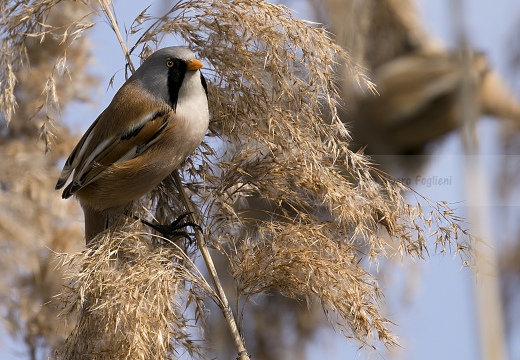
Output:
x,y
223,303
226,309
115,27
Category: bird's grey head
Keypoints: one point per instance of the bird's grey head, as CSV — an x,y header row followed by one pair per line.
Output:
x,y
163,72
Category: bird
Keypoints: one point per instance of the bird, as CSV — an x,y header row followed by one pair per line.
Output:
x,y
419,102
155,120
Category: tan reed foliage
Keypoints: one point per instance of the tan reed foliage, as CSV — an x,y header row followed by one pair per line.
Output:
x,y
34,222
132,296
274,76
303,261
30,22
31,229
275,135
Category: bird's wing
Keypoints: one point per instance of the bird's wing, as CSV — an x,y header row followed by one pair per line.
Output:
x,y
76,155
89,162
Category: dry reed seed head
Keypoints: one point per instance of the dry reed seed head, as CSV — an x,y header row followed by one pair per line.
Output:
x,y
132,297
31,229
301,260
274,83
273,105
26,26
37,49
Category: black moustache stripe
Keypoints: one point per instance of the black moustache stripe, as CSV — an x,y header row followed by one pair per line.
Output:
x,y
175,77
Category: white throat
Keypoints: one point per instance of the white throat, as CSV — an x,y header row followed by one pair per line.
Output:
x,y
192,105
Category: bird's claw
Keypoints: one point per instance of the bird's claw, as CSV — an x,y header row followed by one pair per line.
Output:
x,y
173,230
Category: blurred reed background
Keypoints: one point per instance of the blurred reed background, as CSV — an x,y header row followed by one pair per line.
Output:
x,y
269,208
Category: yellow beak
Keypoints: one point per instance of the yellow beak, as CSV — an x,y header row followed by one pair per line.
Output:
x,y
195,65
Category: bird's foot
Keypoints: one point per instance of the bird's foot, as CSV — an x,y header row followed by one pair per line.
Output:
x,y
175,229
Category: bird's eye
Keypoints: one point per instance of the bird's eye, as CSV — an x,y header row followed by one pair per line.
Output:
x,y
170,63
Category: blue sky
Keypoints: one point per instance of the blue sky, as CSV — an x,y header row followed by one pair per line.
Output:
x,y
439,321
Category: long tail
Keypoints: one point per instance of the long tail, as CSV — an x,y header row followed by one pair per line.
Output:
x,y
96,221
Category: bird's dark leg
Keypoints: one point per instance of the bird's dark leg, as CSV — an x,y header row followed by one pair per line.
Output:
x,y
174,229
